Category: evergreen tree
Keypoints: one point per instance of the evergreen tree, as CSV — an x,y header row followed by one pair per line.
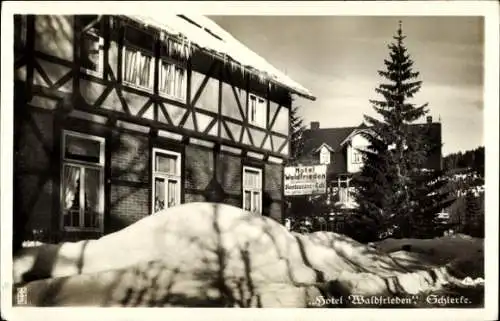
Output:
x,y
392,185
297,134
298,206
474,219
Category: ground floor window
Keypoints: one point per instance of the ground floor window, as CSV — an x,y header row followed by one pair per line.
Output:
x,y
252,189
344,190
82,181
166,179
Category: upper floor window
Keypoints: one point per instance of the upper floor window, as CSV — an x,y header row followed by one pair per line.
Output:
x,y
172,74
91,45
257,110
252,189
166,179
357,156
82,186
324,156
138,59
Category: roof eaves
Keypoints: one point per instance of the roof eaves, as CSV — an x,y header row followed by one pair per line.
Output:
x,y
354,133
324,145
209,37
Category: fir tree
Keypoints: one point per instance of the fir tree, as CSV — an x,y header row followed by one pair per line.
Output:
x,y
474,219
298,206
392,187
297,134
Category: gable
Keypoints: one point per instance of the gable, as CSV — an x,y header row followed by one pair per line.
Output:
x,y
323,147
357,138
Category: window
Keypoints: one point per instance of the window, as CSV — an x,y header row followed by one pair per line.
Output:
x,y
344,190
82,187
257,111
252,189
137,59
166,179
172,74
357,157
91,46
172,79
324,156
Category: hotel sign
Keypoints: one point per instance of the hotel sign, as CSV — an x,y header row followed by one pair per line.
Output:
x,y
304,180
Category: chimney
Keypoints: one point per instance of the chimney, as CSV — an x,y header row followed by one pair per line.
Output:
x,y
429,119
314,125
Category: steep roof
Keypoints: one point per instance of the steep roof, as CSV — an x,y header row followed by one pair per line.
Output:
x,y
335,136
331,136
210,37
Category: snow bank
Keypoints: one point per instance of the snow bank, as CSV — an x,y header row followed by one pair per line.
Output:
x,y
203,254
439,250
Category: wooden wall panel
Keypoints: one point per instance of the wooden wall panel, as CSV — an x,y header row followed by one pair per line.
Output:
x,y
282,121
278,142
203,121
113,58
113,102
229,104
258,137
90,90
54,35
209,98
135,102
43,102
55,73
176,113
20,73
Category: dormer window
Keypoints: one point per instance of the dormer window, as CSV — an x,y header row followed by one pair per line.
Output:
x,y
324,156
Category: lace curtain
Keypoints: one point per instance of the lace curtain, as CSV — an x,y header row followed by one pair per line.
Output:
x,y
71,180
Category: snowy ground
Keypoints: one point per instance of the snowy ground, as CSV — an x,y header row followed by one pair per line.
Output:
x,y
202,254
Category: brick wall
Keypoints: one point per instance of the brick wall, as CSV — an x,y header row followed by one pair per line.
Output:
x,y
130,190
273,191
128,185
230,177
34,183
199,167
128,204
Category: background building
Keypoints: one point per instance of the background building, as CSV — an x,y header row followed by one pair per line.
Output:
x,y
117,117
339,148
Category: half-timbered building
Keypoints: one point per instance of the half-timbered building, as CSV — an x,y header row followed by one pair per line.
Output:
x,y
118,117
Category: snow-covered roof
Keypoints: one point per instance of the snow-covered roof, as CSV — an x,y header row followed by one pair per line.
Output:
x,y
209,36
326,146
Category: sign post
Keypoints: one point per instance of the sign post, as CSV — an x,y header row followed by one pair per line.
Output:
x,y
304,180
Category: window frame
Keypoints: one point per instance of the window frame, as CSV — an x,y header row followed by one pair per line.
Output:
x,y
252,190
95,31
340,182
259,118
83,165
357,156
144,52
324,156
165,176
184,83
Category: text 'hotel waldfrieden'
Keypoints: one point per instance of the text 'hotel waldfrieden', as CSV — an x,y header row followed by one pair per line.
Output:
x,y
118,117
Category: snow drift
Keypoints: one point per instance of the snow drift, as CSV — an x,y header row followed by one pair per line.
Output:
x,y
206,254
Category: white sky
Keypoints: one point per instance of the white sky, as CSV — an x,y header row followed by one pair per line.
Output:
x,y
337,58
